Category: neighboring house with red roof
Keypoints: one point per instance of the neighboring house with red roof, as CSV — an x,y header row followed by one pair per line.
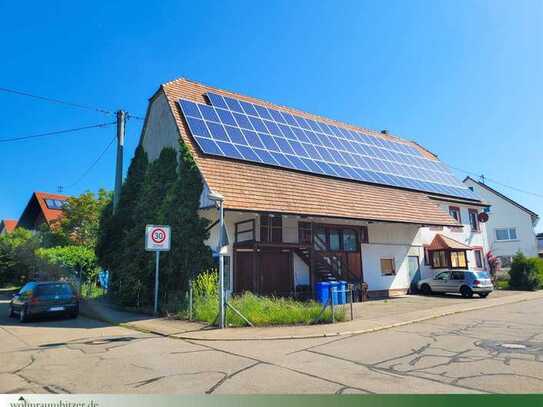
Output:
x,y
311,199
42,208
7,226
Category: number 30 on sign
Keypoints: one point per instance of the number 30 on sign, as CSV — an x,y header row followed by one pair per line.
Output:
x,y
157,238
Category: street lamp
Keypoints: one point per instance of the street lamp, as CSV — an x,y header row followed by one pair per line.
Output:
x,y
219,201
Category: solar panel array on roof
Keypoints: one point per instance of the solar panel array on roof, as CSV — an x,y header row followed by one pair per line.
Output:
x,y
240,130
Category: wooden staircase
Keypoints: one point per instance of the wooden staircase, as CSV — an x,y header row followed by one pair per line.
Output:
x,y
325,268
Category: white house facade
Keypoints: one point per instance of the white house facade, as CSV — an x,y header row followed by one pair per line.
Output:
x,y
510,226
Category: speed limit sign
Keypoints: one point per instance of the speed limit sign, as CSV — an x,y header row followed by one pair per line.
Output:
x,y
157,238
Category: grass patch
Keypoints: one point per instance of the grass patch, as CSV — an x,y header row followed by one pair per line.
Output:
x,y
266,311
91,290
261,311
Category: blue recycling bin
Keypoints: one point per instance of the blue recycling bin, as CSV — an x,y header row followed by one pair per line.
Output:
x,y
342,294
334,286
322,292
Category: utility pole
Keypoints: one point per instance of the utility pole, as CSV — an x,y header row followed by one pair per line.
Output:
x,y
121,120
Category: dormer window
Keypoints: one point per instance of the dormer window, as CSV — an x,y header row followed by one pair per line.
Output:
x,y
55,203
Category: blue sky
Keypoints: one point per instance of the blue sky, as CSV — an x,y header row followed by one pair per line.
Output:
x,y
462,78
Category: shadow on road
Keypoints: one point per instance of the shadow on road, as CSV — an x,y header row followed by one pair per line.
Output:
x,y
56,321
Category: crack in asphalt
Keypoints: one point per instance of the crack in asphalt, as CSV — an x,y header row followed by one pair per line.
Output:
x,y
145,382
229,376
276,365
493,353
389,371
431,361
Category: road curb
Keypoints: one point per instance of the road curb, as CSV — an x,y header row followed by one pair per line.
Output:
x,y
135,327
356,332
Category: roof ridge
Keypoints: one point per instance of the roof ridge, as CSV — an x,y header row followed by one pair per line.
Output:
x,y
503,196
51,193
372,132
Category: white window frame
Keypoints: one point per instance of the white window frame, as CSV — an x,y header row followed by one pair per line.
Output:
x,y
509,239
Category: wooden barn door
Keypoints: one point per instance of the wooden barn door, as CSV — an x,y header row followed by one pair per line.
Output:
x,y
243,271
276,273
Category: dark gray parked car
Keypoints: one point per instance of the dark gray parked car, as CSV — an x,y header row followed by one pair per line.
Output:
x,y
44,298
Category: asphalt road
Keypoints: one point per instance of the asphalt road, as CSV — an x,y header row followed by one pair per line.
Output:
x,y
497,350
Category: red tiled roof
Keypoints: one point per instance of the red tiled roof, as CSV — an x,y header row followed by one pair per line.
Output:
x,y
50,215
442,242
253,187
36,210
8,224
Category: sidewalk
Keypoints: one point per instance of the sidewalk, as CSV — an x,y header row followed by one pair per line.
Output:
x,y
162,326
369,317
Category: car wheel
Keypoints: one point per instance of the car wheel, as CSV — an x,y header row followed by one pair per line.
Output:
x,y
74,314
483,295
23,315
426,289
466,292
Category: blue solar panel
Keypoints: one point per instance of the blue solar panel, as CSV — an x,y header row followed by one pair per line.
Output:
x,y
241,130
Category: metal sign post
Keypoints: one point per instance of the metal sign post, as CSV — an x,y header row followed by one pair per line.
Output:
x,y
221,266
157,239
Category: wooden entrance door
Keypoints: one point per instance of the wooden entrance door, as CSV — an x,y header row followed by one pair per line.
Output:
x,y
243,271
275,273
354,262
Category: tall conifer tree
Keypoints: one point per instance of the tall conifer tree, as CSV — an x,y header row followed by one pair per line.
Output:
x,y
112,242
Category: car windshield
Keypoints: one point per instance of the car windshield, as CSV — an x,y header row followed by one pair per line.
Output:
x,y
54,289
482,274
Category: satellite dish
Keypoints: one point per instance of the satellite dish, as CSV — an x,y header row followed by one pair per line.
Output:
x,y
482,217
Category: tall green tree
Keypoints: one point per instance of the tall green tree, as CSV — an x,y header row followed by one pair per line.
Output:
x,y
79,224
189,255
137,271
164,191
113,228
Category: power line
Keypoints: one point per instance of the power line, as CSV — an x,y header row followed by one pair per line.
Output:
x,y
93,164
57,101
52,133
64,102
131,116
497,182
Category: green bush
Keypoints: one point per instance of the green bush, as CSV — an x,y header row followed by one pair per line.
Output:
x,y
206,285
502,284
526,272
261,311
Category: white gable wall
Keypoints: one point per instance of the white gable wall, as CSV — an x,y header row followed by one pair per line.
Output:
x,y
161,132
160,129
503,214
